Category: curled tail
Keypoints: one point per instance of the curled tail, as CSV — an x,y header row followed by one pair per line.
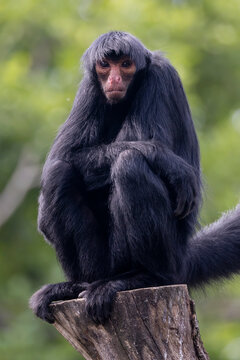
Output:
x,y
214,252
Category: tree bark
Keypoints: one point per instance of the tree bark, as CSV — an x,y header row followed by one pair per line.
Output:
x,y
146,324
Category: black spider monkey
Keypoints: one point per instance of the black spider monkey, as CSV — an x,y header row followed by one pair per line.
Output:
x,y
121,187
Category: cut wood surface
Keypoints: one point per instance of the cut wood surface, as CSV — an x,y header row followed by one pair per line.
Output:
x,y
146,324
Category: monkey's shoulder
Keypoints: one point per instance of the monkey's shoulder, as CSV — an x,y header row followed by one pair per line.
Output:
x,y
160,65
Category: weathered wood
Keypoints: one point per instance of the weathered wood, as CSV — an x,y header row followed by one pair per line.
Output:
x,y
146,324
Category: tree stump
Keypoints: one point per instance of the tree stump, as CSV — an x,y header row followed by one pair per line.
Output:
x,y
146,324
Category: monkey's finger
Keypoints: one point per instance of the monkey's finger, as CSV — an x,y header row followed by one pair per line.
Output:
x,y
106,310
94,311
82,294
45,313
180,207
188,209
49,318
185,213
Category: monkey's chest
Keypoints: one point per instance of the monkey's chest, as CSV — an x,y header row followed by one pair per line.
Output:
x,y
111,128
98,202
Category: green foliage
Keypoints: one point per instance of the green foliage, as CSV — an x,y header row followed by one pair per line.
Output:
x,y
41,43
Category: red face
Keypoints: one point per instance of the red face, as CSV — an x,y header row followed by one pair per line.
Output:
x,y
115,77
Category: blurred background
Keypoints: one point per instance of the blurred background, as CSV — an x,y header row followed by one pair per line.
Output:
x,y
41,42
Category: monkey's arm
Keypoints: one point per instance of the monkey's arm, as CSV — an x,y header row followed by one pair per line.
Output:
x,y
181,178
95,164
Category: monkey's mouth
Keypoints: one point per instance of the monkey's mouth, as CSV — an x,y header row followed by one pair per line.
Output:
x,y
115,91
115,95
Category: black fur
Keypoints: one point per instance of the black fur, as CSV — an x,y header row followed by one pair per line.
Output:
x,y
121,189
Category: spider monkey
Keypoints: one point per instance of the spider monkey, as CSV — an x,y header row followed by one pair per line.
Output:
x,y
121,187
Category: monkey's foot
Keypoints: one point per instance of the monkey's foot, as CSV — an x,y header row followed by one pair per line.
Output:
x,y
41,299
99,297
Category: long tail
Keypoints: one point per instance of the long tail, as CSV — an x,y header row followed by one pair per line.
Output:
x,y
214,252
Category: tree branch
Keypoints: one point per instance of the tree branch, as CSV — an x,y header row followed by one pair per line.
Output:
x,y
146,324
25,176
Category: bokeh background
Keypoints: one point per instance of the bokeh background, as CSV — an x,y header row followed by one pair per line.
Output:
x,y
41,42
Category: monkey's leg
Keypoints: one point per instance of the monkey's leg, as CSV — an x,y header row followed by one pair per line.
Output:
x,y
145,247
145,231
68,222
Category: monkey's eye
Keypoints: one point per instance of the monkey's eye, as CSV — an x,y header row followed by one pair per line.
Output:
x,y
126,63
103,63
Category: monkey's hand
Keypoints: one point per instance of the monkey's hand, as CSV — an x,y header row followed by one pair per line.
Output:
x,y
41,299
184,185
99,297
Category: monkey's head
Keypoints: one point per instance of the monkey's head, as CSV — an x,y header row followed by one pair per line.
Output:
x,y
115,59
115,75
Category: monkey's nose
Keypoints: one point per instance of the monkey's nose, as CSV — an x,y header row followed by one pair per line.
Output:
x,y
114,79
